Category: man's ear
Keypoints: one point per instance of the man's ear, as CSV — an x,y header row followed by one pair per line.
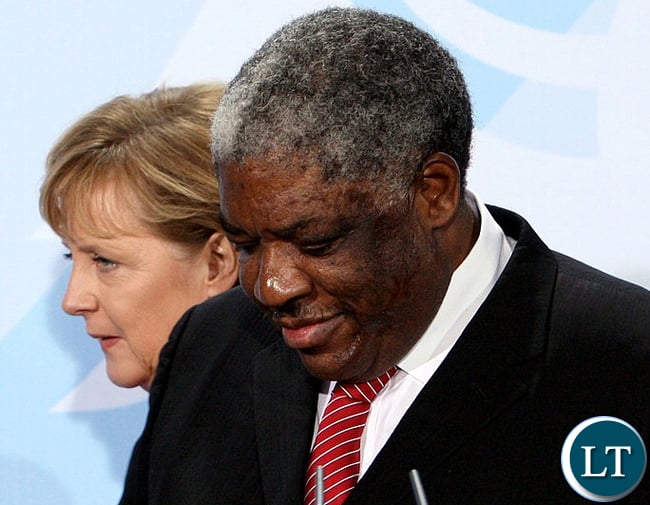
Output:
x,y
438,189
223,264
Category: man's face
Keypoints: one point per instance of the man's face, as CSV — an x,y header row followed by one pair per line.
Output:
x,y
352,288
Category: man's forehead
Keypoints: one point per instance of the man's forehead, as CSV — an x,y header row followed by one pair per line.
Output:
x,y
299,208
272,163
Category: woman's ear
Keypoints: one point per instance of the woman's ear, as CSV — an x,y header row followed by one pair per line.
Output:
x,y
223,264
438,189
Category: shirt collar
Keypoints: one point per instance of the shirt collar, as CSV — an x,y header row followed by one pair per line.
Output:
x,y
468,288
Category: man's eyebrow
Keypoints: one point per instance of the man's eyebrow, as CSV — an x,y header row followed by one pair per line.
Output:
x,y
286,233
289,232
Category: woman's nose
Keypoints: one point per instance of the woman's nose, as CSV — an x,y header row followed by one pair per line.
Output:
x,y
78,298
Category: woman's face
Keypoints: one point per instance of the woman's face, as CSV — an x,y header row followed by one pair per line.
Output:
x,y
131,287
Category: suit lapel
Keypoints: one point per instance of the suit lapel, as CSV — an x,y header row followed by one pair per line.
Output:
x,y
285,408
443,418
490,367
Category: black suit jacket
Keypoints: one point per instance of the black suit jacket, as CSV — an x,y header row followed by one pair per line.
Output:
x,y
555,343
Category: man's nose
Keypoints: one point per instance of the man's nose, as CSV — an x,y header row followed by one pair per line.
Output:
x,y
280,279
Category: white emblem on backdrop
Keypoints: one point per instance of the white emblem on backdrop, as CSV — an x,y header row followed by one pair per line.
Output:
x,y
96,392
218,43
566,59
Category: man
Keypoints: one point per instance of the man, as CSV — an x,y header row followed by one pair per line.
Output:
x,y
342,148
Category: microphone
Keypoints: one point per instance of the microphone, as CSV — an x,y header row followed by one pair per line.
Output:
x,y
414,475
320,488
418,490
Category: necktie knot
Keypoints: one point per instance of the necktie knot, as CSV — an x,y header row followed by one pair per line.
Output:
x,y
337,445
364,391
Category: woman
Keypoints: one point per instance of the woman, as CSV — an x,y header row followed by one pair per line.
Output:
x,y
130,189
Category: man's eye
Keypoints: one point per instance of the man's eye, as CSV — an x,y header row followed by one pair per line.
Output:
x,y
245,248
320,248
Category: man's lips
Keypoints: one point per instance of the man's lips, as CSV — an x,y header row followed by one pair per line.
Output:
x,y
312,334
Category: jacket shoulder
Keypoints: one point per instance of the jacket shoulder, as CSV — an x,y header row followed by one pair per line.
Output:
x,y
599,294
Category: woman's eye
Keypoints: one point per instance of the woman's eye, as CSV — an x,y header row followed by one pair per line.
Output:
x,y
67,255
104,264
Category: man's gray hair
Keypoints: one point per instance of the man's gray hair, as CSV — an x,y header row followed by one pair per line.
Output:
x,y
366,96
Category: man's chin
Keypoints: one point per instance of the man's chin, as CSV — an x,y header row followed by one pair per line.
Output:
x,y
324,367
320,365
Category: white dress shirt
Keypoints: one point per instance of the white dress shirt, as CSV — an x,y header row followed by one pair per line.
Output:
x,y
470,285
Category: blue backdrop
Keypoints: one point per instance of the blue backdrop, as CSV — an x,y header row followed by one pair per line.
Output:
x,y
561,96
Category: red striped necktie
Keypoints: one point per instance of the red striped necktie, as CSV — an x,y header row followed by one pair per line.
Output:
x,y
337,445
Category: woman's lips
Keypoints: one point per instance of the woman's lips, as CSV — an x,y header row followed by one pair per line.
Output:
x,y
311,335
107,342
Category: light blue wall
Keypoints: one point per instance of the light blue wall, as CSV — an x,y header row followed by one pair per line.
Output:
x,y
561,99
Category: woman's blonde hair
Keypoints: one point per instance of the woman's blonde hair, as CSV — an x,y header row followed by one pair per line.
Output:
x,y
152,152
